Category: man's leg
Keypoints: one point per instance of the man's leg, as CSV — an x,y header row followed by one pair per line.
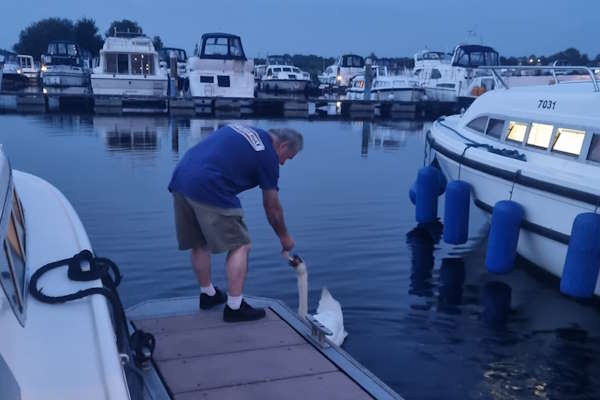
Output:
x,y
209,295
201,264
236,267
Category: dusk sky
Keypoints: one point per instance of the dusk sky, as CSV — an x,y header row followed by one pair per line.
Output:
x,y
329,28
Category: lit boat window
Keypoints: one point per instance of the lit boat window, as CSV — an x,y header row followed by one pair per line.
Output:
x,y
516,131
539,135
495,128
478,124
594,153
568,141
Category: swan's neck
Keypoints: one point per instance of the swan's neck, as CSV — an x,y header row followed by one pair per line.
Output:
x,y
302,276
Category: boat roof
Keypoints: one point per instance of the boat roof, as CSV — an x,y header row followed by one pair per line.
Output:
x,y
219,34
470,48
133,44
573,103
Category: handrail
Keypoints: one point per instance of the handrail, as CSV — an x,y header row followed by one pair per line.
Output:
x,y
553,68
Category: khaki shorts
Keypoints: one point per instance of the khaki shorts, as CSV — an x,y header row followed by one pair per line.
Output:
x,y
201,225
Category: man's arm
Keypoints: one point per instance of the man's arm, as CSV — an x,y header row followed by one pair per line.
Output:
x,y
274,213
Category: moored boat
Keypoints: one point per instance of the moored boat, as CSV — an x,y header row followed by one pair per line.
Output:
x,y
538,146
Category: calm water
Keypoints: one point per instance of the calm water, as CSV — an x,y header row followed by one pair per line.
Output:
x,y
422,315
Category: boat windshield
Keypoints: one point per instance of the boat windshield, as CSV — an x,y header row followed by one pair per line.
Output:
x,y
62,49
475,56
352,61
222,47
166,53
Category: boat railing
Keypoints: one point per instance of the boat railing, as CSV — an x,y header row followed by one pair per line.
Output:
x,y
496,71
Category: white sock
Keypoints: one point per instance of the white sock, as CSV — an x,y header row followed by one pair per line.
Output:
x,y
234,302
209,290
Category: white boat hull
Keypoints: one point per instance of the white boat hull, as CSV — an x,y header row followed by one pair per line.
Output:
x,y
284,85
129,85
76,82
548,217
400,94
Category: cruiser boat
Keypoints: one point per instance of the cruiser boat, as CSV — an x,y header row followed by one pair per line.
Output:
x,y
341,73
356,89
165,54
19,72
397,88
458,79
281,76
537,145
128,66
219,68
62,69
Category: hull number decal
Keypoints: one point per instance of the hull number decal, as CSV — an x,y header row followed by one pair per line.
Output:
x,y
546,104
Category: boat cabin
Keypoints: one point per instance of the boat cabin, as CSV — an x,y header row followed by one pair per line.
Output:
x,y
221,46
474,56
128,56
548,120
62,53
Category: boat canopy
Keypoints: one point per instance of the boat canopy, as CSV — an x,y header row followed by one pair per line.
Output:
x,y
352,61
473,56
222,46
62,53
165,54
278,60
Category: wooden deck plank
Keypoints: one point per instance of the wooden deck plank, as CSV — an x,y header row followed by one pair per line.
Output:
x,y
224,339
213,371
330,386
200,320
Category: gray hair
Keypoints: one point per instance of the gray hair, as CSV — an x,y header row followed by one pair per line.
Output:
x,y
291,136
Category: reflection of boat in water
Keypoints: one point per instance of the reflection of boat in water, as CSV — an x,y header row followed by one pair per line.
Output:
x,y
135,133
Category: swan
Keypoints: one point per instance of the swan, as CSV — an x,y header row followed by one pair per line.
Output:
x,y
329,310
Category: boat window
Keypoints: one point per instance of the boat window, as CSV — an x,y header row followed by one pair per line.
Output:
x,y
417,72
569,141
71,50
62,49
478,124
19,219
142,64
296,70
223,80
216,46
276,69
436,74
286,69
516,131
52,49
111,63
269,72
539,135
594,153
495,128
207,79
235,47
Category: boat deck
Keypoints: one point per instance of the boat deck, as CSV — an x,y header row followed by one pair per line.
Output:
x,y
198,356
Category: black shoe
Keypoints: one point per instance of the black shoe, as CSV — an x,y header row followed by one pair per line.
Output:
x,y
244,313
207,301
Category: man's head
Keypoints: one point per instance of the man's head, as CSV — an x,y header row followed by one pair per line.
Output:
x,y
286,142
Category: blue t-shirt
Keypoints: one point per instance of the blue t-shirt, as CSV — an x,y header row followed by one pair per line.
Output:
x,y
231,160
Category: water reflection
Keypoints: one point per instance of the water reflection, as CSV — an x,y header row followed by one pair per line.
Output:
x,y
452,279
133,133
422,240
496,304
387,136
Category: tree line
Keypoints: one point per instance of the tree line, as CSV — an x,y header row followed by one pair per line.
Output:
x,y
34,39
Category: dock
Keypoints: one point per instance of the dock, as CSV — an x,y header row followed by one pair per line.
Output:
x,y
198,356
222,107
